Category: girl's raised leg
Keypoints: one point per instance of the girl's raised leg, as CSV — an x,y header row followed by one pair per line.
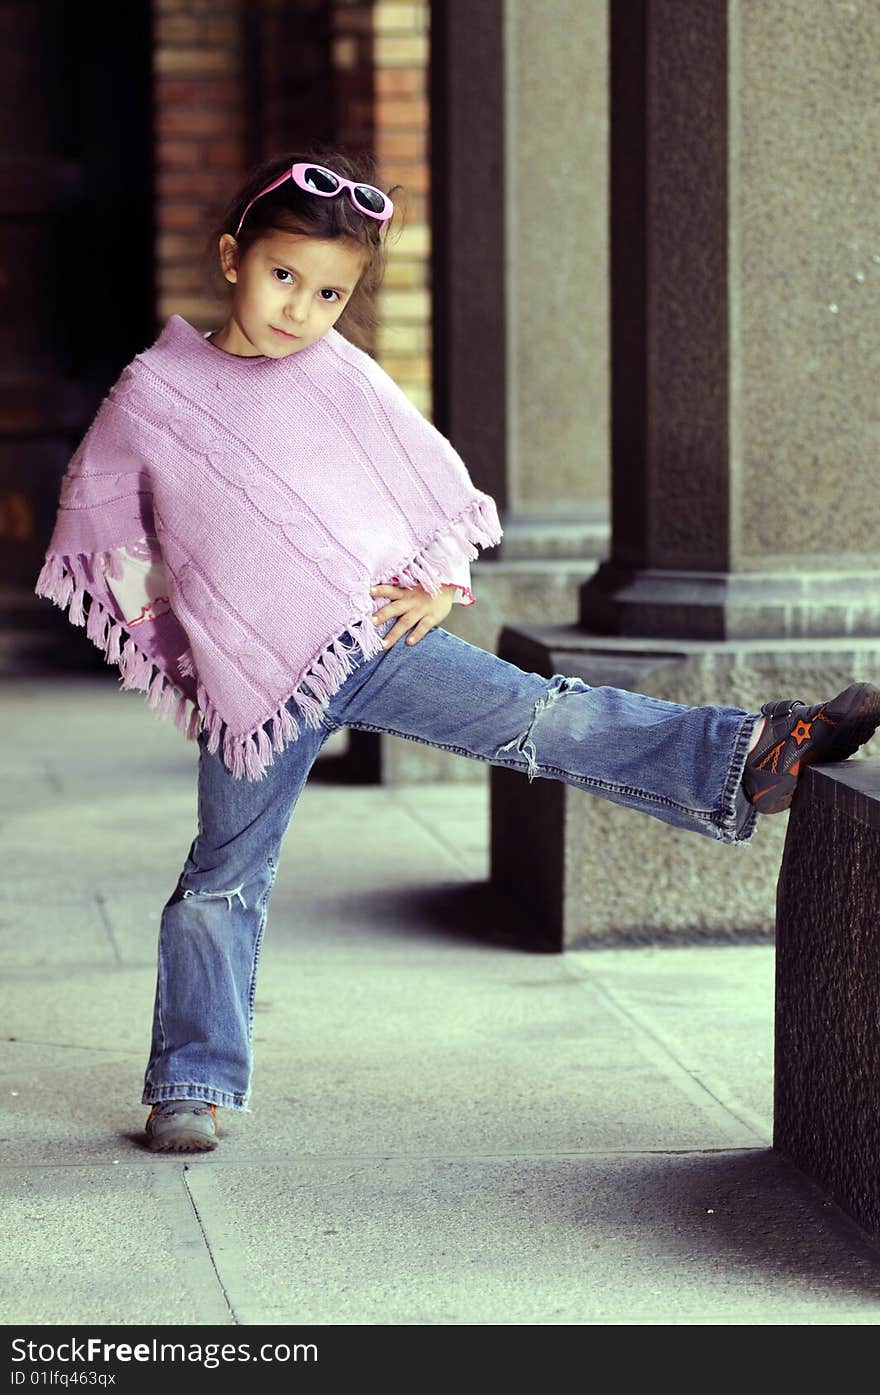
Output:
x,y
683,765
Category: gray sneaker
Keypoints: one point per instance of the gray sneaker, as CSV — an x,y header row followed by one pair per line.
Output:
x,y
182,1126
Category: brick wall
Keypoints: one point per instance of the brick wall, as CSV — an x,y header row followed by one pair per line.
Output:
x,y
207,135
400,56
200,142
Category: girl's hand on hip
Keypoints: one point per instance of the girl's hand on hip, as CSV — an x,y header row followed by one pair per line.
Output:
x,y
418,610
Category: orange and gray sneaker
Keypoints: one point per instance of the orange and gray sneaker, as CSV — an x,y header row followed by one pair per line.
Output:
x,y
182,1126
795,736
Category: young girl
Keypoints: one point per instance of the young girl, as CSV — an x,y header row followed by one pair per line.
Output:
x,y
277,535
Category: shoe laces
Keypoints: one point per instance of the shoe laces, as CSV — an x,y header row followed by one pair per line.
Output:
x,y
168,1108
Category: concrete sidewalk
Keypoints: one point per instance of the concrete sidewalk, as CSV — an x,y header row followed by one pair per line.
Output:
x,y
444,1128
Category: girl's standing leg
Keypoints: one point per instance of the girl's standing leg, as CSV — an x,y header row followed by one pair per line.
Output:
x,y
683,765
212,927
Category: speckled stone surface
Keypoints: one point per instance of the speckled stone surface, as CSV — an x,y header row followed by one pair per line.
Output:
x,y
442,1240
828,987
805,281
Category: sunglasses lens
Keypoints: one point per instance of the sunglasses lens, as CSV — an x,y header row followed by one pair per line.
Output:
x,y
369,198
323,181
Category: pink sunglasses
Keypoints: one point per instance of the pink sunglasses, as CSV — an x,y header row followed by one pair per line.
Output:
x,y
317,179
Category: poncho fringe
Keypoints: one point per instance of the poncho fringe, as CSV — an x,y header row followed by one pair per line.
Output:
x,y
65,579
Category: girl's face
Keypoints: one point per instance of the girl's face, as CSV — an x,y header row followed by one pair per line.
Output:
x,y
289,290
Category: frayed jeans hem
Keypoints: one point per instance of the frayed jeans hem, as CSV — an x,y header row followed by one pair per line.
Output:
x,y
739,817
185,1090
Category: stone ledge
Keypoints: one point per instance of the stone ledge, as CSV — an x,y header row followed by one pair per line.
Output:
x,y
738,605
826,1114
850,787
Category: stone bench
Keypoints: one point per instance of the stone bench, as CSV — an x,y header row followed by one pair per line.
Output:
x,y
827,1077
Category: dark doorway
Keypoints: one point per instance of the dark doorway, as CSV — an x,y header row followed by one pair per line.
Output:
x,y
77,290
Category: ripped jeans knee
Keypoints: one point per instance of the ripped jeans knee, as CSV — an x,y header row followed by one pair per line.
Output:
x,y
559,685
228,896
259,879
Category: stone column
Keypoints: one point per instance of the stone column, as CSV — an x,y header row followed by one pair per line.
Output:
x,y
745,508
519,113
521,288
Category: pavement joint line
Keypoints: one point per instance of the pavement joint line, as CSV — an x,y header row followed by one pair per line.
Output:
x,y
53,779
225,1246
108,925
207,1243
515,1157
725,1094
169,1189
697,1086
263,1160
68,1046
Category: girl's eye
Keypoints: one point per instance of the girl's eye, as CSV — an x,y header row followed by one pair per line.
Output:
x,y
284,272
327,293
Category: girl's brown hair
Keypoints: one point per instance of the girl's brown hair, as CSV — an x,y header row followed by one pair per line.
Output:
x,y
291,209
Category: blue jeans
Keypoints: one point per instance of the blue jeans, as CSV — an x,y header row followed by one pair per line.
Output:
x,y
682,765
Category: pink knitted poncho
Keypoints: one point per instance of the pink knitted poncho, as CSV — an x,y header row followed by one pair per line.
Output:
x,y
280,491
